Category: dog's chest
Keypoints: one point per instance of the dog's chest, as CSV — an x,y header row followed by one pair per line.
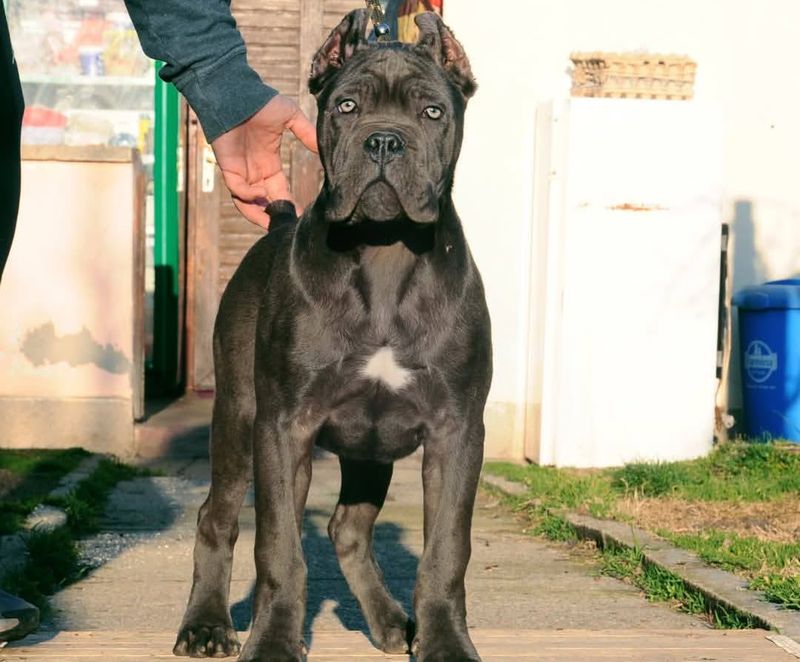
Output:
x,y
380,399
378,406
382,367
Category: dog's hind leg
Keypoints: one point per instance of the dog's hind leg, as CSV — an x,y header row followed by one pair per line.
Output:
x,y
363,491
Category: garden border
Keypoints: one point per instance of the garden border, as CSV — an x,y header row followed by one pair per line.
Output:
x,y
718,586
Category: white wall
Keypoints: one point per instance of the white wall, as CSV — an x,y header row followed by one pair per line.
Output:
x,y
520,55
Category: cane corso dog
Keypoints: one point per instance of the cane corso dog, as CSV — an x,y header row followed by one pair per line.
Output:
x,y
361,328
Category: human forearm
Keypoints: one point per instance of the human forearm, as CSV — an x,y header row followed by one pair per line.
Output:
x,y
205,58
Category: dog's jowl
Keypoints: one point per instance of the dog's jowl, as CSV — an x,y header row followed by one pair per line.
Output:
x,y
363,329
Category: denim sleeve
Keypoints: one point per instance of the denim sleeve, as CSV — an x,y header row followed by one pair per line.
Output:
x,y
205,59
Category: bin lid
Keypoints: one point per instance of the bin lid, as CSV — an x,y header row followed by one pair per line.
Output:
x,y
777,294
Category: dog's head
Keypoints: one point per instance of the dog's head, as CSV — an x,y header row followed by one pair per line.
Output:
x,y
390,120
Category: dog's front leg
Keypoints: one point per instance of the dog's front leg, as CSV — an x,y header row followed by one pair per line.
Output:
x,y
451,468
281,472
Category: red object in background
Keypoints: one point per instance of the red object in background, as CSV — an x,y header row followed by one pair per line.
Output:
x,y
91,31
43,117
415,6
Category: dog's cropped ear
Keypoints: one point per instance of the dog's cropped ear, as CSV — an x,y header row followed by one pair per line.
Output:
x,y
345,39
439,42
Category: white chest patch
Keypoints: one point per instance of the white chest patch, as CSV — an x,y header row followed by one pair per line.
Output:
x,y
383,368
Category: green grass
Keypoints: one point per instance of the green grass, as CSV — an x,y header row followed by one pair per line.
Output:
x,y
86,503
29,475
734,552
660,585
53,558
772,567
557,488
555,528
52,563
26,462
734,472
782,590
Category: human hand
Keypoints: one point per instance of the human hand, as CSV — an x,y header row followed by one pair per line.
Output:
x,y
249,156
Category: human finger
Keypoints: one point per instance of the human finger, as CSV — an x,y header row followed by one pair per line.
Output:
x,y
304,130
277,187
253,212
242,189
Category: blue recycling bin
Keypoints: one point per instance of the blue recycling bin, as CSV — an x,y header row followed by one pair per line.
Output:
x,y
769,344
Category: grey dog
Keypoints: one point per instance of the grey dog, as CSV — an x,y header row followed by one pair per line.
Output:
x,y
363,329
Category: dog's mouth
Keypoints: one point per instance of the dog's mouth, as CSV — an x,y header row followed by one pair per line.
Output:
x,y
378,202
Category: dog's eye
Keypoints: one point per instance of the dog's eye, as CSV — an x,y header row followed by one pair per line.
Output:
x,y
433,112
347,106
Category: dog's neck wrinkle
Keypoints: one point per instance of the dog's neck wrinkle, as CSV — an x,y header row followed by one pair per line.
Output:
x,y
384,270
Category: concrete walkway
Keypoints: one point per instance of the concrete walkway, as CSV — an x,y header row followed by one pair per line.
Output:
x,y
526,598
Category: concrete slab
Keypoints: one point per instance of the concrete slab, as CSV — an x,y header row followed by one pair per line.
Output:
x,y
495,646
143,561
720,586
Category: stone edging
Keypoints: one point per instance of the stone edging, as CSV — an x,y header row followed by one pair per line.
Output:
x,y
718,586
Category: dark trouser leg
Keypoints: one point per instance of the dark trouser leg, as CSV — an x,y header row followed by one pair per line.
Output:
x,y
364,487
451,468
207,630
11,108
282,475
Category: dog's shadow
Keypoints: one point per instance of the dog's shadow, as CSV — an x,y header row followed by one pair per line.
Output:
x,y
326,582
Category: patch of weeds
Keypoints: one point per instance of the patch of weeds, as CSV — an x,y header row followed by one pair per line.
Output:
x,y
86,503
779,589
13,514
560,488
733,471
52,562
53,557
737,470
772,567
738,553
653,479
555,528
26,462
26,477
660,585
620,562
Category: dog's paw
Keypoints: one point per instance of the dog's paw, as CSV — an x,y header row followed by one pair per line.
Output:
x,y
394,634
206,641
444,653
278,650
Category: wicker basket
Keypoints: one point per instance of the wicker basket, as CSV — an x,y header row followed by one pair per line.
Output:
x,y
632,75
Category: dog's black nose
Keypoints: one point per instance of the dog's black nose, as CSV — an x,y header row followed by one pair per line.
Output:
x,y
383,146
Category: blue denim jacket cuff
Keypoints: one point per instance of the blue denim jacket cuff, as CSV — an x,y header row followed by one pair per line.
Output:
x,y
224,94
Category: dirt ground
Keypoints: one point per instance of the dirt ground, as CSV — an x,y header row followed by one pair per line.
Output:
x,y
773,521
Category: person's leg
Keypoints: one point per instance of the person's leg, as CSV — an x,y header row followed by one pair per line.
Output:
x,y
11,107
17,617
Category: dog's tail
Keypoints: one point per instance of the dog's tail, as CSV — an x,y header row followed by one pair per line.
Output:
x,y
281,212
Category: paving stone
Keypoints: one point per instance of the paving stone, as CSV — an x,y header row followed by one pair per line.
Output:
x,y
144,564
